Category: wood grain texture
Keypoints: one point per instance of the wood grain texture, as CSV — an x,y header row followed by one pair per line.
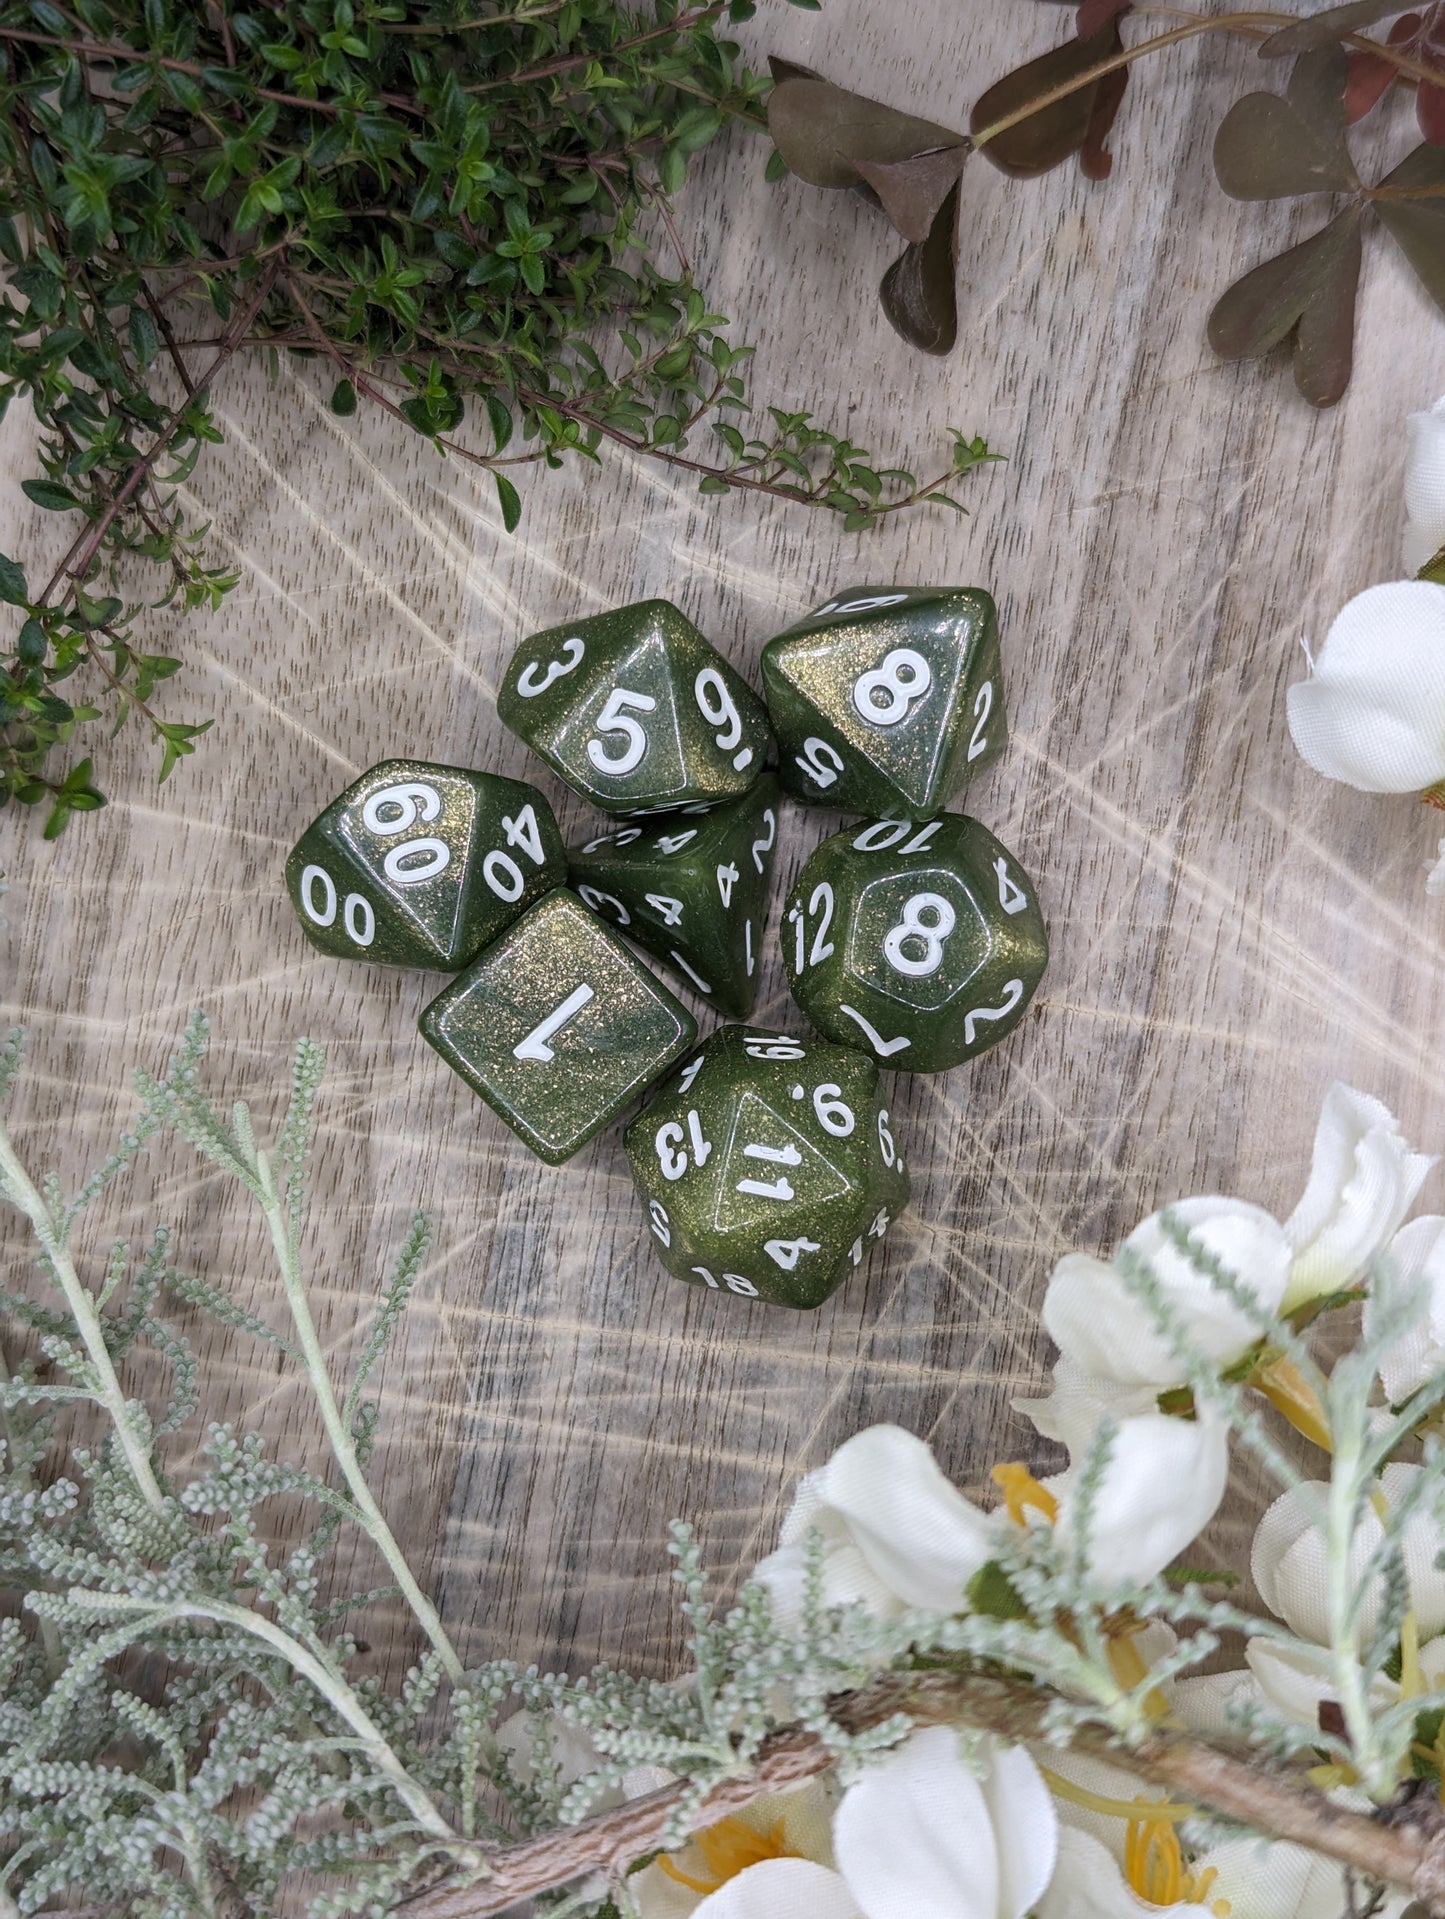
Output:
x,y
1229,931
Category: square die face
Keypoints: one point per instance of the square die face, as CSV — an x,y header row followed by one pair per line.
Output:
x,y
557,1027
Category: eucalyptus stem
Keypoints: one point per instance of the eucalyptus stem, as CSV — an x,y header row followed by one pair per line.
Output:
x,y
17,1187
338,1433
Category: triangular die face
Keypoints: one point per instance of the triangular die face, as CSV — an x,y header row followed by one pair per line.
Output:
x,y
897,684
768,1169
409,828
985,723
622,737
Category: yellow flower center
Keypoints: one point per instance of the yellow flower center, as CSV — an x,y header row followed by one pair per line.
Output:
x,y
1155,1869
1021,1490
728,1848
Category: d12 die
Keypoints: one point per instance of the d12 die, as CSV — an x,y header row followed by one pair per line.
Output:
x,y
636,711
922,942
767,1166
887,702
420,865
693,892
557,1026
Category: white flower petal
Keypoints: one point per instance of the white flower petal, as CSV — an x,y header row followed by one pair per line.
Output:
x,y
847,1579
1087,1884
1161,1487
1203,1704
915,1837
1363,1178
1425,487
1372,712
1264,1879
1105,1332
916,1531
1417,1254
1294,1680
1023,1816
781,1889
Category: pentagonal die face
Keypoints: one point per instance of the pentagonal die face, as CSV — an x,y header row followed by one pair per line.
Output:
x,y
887,701
767,1167
921,941
422,865
692,891
557,1026
635,711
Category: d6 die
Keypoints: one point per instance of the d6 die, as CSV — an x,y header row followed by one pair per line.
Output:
x,y
420,865
887,701
557,1026
636,711
693,892
923,943
767,1166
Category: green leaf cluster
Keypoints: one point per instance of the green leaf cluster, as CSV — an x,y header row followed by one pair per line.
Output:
x,y
462,209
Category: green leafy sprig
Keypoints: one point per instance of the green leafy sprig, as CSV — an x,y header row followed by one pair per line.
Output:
x,y
463,210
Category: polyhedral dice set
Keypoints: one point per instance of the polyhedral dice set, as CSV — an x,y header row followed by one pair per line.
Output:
x,y
913,940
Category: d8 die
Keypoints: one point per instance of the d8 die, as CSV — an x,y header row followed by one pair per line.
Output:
x,y
557,1026
636,711
419,865
887,702
767,1166
693,892
923,943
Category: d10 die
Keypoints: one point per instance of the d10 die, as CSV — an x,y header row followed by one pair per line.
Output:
x,y
636,711
693,892
767,1166
557,1026
887,702
419,865
923,943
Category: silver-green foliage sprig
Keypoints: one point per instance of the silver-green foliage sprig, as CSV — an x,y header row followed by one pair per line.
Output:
x,y
184,1731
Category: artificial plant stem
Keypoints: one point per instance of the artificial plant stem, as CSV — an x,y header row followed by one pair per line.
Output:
x,y
1341,1519
16,1184
337,1430
330,1685
1229,1781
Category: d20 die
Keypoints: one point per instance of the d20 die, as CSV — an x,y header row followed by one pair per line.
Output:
x,y
557,1026
921,942
693,892
636,711
887,701
767,1167
420,865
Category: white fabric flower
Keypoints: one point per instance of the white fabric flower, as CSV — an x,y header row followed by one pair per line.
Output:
x,y
896,1533
1362,1182
1417,1253
1104,1330
1425,487
1162,1486
924,1837
1372,712
1289,1561
1247,1878
920,1836
740,1854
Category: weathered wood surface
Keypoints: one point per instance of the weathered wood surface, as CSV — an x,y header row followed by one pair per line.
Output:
x,y
1229,931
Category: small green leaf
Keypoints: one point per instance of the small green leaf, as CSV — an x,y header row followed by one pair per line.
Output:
x,y
712,483
343,398
510,501
13,590
50,494
500,415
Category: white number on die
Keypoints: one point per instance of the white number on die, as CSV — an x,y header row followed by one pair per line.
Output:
x,y
834,1114
529,686
927,921
1012,994
982,706
887,693
718,708
613,719
356,914
822,763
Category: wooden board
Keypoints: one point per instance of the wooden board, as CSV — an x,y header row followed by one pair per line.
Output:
x,y
1230,932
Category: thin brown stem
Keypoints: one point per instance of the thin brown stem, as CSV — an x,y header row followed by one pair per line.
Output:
x,y
1403,1847
527,75
83,550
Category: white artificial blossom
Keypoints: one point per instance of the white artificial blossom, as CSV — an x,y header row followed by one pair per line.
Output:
x,y
1113,1361
895,1533
924,1834
1417,1254
1372,711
